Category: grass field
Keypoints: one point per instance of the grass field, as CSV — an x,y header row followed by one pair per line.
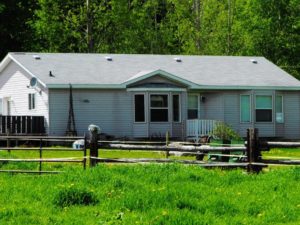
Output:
x,y
151,194
147,194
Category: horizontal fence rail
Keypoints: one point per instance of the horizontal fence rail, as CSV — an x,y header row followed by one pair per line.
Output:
x,y
41,149
247,156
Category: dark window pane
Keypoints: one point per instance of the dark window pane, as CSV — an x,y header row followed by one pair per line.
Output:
x,y
33,101
29,101
263,115
176,108
139,104
159,100
192,114
159,115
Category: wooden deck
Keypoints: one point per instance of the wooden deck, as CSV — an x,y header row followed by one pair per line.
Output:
x,y
21,125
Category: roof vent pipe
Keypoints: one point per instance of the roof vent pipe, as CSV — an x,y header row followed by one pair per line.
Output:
x,y
108,58
253,61
178,59
36,57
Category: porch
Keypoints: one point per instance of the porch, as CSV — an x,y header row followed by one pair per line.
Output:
x,y
33,125
196,128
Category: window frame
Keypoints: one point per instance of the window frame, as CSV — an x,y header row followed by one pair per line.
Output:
x,y
163,108
31,101
282,109
179,108
145,115
198,106
250,108
272,108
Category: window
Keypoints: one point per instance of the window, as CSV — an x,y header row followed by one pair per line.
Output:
x,y
279,108
245,108
176,108
139,108
192,106
263,110
31,101
159,108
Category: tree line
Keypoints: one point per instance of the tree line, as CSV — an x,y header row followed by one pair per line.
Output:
x,y
269,28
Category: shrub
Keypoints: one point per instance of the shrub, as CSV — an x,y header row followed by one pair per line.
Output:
x,y
74,196
225,132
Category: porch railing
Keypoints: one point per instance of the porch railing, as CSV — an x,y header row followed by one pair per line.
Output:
x,y
196,128
22,125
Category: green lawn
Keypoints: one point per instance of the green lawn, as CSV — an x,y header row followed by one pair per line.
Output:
x,y
147,194
284,152
151,194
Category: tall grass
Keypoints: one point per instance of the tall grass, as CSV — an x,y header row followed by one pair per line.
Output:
x,y
151,194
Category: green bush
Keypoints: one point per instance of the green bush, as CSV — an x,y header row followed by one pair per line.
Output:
x,y
74,196
225,132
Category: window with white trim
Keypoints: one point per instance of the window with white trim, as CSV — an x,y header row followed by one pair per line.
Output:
x,y
31,101
159,108
279,109
193,106
176,108
245,108
139,108
263,108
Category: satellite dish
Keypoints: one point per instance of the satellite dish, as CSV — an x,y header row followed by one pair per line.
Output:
x,y
33,82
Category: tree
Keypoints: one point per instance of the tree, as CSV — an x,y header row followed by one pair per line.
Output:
x,y
15,33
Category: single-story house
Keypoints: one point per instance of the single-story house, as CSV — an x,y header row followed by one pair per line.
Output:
x,y
140,96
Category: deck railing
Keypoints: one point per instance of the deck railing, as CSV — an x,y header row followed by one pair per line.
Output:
x,y
196,128
22,125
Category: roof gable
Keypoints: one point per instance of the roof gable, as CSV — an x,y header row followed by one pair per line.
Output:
x,y
145,75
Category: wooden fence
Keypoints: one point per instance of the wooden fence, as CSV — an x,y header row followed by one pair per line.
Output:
x,y
24,125
248,156
42,142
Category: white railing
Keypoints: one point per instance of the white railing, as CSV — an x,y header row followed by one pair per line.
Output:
x,y
197,128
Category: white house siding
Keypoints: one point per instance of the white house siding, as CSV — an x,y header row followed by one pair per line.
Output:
x,y
291,102
111,110
232,110
213,107
13,86
159,130
225,106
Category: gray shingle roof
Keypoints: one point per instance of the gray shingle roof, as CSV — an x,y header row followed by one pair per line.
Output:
x,y
85,69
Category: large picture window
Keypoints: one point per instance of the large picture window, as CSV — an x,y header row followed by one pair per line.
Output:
x,y
192,106
159,108
279,108
263,110
139,108
176,108
245,109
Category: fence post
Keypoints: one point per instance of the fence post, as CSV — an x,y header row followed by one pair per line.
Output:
x,y
84,152
167,143
94,137
252,149
8,140
41,155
